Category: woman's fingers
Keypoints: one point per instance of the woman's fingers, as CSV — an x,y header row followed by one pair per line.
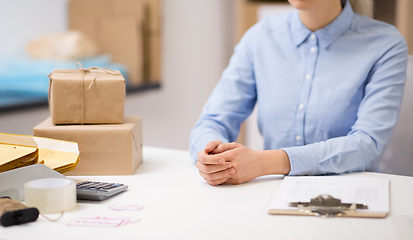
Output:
x,y
217,175
212,168
211,159
205,158
212,145
225,147
217,182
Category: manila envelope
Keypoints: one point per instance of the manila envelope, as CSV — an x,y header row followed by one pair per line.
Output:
x,y
19,150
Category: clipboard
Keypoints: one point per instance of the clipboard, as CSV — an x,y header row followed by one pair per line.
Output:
x,y
332,196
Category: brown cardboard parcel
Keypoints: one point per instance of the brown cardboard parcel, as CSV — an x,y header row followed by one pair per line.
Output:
x,y
92,98
110,149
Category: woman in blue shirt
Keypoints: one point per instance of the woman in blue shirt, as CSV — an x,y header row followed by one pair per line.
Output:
x,y
328,84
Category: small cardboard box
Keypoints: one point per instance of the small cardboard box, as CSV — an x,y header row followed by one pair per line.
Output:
x,y
90,98
110,149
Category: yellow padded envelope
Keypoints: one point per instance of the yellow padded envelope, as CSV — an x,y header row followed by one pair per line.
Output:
x,y
19,150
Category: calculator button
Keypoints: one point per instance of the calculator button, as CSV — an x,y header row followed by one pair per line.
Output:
x,y
88,190
108,185
82,183
85,182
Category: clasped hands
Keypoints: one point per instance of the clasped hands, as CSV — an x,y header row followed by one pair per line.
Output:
x,y
234,163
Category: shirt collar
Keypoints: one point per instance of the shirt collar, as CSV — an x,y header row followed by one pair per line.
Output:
x,y
326,35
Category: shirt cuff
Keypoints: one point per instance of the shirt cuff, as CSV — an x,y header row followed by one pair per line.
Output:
x,y
302,160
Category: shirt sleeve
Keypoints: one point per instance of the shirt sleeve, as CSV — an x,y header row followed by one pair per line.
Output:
x,y
232,100
361,148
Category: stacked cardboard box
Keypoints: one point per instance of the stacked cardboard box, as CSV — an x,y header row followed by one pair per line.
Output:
x,y
105,149
77,97
129,30
110,144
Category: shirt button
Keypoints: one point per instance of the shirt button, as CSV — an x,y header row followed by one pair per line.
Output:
x,y
298,138
307,76
312,49
301,106
312,36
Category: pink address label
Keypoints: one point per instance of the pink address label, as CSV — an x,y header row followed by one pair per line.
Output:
x,y
102,221
95,222
130,207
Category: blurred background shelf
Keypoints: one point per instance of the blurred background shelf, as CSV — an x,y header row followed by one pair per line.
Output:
x,y
15,100
10,100
126,32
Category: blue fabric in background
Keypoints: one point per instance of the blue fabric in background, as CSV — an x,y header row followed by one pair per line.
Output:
x,y
28,75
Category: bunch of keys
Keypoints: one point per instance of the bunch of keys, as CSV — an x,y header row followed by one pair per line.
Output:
x,y
327,206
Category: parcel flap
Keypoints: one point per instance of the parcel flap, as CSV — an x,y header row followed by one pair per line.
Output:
x,y
61,156
20,140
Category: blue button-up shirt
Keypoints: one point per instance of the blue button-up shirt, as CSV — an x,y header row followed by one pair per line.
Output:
x,y
330,98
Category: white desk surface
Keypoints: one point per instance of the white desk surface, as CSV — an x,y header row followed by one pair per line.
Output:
x,y
179,204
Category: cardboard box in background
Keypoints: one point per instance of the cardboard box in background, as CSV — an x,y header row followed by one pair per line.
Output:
x,y
126,29
110,149
152,38
124,44
152,14
73,99
153,63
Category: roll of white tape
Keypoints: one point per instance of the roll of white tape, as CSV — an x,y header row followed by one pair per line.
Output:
x,y
50,195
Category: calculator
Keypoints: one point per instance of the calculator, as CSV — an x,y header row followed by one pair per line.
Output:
x,y
98,191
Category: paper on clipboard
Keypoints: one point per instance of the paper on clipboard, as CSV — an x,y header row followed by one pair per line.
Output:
x,y
371,191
